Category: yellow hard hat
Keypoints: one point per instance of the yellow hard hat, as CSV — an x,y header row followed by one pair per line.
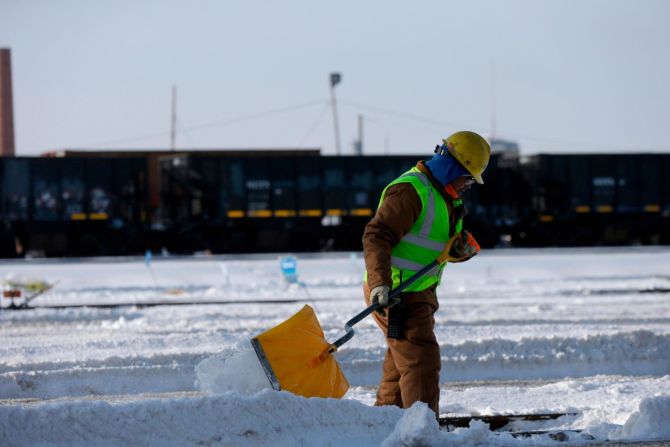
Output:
x,y
471,150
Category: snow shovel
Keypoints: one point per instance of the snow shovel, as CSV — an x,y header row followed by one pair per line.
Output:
x,y
296,356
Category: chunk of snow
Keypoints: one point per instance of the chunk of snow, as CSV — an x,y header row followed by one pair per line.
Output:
x,y
416,427
477,434
651,421
235,369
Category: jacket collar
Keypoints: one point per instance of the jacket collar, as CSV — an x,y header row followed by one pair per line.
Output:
x,y
448,192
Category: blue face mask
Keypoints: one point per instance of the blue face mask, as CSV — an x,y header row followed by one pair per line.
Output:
x,y
445,168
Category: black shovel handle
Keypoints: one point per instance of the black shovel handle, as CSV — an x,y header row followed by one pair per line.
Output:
x,y
348,327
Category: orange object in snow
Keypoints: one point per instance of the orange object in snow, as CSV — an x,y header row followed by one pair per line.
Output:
x,y
296,357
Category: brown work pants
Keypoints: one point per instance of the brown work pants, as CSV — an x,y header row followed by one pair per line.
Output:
x,y
411,370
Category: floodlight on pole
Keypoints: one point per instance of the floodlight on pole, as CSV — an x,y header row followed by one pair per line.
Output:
x,y
335,78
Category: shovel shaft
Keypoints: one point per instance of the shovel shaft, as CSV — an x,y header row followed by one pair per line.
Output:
x,y
348,327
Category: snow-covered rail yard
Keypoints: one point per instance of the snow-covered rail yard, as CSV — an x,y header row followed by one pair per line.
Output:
x,y
579,331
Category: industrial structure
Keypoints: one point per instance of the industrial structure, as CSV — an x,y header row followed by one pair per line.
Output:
x,y
6,104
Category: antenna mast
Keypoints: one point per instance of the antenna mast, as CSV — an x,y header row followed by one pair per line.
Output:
x,y
335,78
493,100
173,120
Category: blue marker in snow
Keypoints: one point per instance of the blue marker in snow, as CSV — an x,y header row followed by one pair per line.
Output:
x,y
147,258
289,269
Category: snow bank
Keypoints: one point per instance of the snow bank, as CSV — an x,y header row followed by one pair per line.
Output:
x,y
652,421
48,370
235,369
112,375
271,418
640,352
266,418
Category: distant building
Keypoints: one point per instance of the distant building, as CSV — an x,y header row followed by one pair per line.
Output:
x,y
508,151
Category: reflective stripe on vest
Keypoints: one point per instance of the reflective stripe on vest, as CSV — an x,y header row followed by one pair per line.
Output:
x,y
430,206
409,265
423,242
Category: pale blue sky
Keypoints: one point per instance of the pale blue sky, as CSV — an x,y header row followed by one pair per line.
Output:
x,y
570,75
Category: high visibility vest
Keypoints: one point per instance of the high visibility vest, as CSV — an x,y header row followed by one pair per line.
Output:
x,y
427,237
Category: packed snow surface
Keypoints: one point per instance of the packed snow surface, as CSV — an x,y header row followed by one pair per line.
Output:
x,y
168,360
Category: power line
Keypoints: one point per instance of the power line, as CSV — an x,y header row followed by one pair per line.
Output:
x,y
377,110
188,134
254,116
434,122
403,115
123,140
579,144
314,125
212,124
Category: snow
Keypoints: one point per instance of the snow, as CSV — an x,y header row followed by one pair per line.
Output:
x,y
266,418
236,369
416,427
585,331
651,421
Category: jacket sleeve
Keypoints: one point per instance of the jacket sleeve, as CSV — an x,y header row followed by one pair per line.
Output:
x,y
394,218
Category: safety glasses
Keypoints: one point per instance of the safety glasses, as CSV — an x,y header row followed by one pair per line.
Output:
x,y
469,180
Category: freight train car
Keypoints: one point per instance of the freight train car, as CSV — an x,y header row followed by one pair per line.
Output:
x,y
119,203
305,203
603,199
275,203
72,206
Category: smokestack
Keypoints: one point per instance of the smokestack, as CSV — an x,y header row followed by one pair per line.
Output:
x,y
6,105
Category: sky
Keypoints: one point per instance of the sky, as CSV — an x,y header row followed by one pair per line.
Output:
x,y
559,76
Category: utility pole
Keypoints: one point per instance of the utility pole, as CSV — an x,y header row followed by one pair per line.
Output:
x,y
335,78
173,120
358,145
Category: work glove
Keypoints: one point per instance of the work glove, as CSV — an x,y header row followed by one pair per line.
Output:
x,y
462,246
380,294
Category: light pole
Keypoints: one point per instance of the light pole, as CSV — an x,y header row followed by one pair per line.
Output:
x,y
335,78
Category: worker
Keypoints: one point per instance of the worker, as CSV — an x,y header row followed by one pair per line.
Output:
x,y
419,213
